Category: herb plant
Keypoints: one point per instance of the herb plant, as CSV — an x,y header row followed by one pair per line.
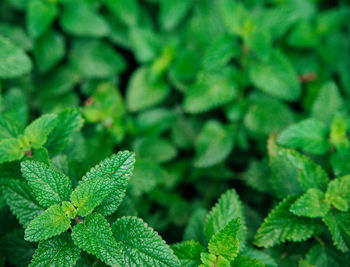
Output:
x,y
239,103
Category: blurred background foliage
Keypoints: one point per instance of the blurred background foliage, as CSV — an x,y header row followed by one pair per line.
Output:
x,y
194,87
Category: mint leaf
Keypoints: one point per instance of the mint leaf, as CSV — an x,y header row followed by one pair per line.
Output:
x,y
327,257
210,260
49,186
140,245
338,193
10,149
188,252
50,223
14,61
244,261
56,251
95,236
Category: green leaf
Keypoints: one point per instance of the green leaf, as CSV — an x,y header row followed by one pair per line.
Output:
x,y
338,193
40,16
95,236
213,145
172,12
328,96
56,251
10,149
49,49
14,61
8,128
140,245
39,129
338,224
244,261
276,77
90,193
310,135
118,168
227,208
195,229
15,107
311,204
69,122
49,186
189,253
126,11
210,91
156,149
281,225
210,260
225,242
142,93
21,201
79,18
326,256
50,223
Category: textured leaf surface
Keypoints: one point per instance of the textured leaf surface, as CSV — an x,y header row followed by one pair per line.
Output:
x,y
281,225
69,121
10,149
95,237
50,186
141,245
309,135
14,61
21,201
56,251
50,223
227,208
188,252
118,168
90,194
338,193
225,242
338,224
244,261
39,129
276,77
311,204
214,143
210,260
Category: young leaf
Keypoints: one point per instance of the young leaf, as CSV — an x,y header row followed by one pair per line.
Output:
x,y
10,149
49,186
310,135
69,121
189,253
117,168
227,208
14,61
214,143
281,225
338,224
225,242
90,194
338,193
95,236
244,261
56,251
21,201
311,204
210,260
140,245
39,129
50,223
8,128
195,229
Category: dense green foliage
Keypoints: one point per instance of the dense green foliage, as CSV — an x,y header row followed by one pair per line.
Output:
x,y
236,113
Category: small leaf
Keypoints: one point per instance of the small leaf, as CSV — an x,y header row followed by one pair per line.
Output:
x,y
244,261
141,245
310,135
338,193
56,251
125,10
10,149
195,229
90,194
95,236
21,201
39,129
189,253
50,223
281,225
311,204
225,242
14,61
210,260
50,186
